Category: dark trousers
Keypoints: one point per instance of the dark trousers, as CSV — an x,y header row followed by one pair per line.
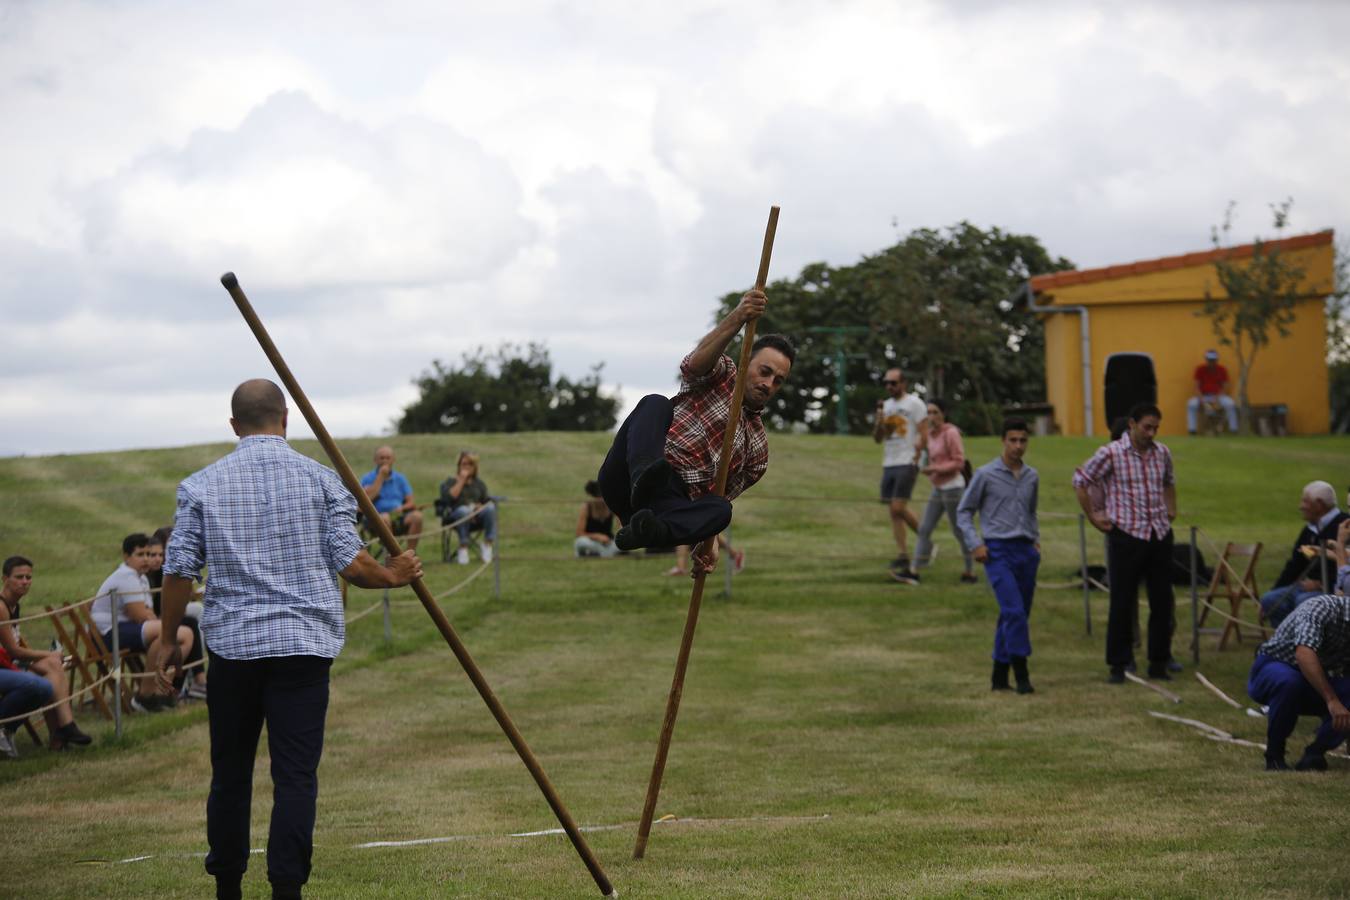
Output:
x,y
1283,688
640,440
290,694
1130,560
1011,570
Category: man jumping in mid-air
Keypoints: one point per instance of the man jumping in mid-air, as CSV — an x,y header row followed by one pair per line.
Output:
x,y
659,475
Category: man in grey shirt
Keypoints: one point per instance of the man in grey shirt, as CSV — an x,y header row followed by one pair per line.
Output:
x,y
1003,492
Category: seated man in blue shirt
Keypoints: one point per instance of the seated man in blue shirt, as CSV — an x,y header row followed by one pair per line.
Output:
x,y
393,496
1304,670
1004,494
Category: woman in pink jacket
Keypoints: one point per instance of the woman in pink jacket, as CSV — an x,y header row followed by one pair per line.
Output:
x,y
946,462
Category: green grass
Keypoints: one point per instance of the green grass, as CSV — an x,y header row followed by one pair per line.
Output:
x,y
836,738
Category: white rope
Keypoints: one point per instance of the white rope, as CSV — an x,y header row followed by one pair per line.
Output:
x,y
24,717
446,527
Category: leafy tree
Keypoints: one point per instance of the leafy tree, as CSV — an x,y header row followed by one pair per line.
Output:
x,y
938,305
1260,297
511,390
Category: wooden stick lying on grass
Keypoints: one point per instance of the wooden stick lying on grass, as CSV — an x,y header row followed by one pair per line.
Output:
x,y
428,602
696,598
1153,687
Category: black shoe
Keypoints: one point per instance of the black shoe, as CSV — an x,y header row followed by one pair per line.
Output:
x,y
1131,667
1117,675
969,578
999,680
900,564
1174,666
147,704
904,576
1019,667
1158,672
1311,762
643,530
71,734
648,479
229,887
1276,764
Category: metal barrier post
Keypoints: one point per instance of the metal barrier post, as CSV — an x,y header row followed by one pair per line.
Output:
x,y
497,558
388,625
1195,601
1082,556
115,603
727,566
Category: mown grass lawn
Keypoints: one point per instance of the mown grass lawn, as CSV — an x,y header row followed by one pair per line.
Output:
x,y
837,737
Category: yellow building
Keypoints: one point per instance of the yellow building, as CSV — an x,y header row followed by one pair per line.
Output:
x,y
1153,308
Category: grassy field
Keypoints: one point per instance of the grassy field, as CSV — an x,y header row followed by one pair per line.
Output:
x,y
837,736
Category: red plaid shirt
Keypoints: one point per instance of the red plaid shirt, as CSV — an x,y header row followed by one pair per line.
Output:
x,y
1134,484
694,441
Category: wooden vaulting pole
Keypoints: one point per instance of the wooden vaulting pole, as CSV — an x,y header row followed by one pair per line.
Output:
x,y
391,545
696,598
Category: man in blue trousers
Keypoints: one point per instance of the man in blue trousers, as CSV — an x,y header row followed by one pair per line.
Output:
x,y
1304,670
1003,493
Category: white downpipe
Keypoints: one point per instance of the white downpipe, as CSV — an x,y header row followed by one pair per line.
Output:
x,y
1084,348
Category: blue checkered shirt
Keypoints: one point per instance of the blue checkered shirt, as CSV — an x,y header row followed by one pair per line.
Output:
x,y
273,527
1319,623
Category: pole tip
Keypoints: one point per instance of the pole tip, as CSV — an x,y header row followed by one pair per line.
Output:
x,y
229,281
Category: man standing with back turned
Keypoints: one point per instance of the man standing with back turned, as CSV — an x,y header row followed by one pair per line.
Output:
x,y
273,526
1136,475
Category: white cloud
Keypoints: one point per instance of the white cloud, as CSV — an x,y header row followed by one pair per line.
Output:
x,y
405,184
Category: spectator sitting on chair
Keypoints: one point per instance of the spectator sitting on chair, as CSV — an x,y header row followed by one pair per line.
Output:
x,y
467,494
1301,671
1210,381
595,526
1301,577
193,686
20,665
137,627
393,497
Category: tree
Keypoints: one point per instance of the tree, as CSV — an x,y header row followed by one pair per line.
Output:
x,y
511,390
937,304
1260,295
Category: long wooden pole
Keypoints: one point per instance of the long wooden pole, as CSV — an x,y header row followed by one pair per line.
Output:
x,y
696,598
391,545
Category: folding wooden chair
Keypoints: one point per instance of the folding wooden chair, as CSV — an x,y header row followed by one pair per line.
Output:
x,y
77,664
1233,584
101,657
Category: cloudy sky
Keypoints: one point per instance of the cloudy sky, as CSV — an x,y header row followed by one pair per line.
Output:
x,y
399,182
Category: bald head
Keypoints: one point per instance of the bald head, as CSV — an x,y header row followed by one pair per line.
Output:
x,y
258,406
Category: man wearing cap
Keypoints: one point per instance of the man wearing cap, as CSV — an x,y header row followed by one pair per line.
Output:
x,y
1210,381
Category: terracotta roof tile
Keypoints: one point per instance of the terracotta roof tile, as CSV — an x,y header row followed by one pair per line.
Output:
x,y
1166,263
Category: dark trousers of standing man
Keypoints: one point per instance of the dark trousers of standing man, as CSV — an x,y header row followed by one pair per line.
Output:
x,y
641,440
1128,561
290,694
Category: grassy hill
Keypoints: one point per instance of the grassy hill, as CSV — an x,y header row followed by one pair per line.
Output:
x,y
837,737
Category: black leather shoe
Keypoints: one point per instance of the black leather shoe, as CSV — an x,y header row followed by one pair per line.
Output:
x,y
999,680
1311,762
1276,764
643,530
1117,675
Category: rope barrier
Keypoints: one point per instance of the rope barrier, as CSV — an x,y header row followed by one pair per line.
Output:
x,y
1232,618
365,612
76,605
445,527
23,717
463,584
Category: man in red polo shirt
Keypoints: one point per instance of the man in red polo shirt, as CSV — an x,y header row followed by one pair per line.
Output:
x,y
1211,379
659,474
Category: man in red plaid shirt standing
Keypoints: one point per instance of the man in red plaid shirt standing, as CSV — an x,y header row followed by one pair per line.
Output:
x,y
660,472
1141,501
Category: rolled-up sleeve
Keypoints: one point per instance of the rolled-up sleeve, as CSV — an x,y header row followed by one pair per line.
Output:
x,y
186,553
343,543
1095,469
966,509
724,370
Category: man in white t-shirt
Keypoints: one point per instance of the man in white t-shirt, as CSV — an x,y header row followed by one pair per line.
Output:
x,y
137,628
902,430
